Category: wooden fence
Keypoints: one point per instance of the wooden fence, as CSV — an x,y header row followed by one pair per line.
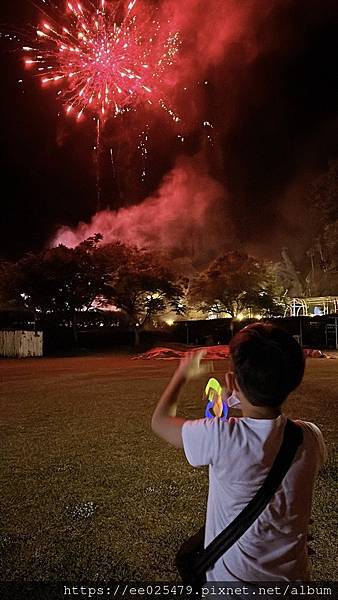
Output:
x,y
21,344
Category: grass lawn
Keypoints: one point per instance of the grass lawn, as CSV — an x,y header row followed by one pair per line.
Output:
x,y
89,493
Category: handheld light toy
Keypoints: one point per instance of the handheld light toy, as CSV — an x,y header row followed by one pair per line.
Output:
x,y
217,403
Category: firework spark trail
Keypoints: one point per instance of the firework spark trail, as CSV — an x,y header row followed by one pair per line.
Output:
x,y
104,59
143,147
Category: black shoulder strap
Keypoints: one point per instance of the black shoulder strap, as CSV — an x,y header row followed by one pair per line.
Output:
x,y
293,437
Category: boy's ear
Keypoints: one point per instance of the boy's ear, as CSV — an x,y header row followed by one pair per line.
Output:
x,y
230,381
236,386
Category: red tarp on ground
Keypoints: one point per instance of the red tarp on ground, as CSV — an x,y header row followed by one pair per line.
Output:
x,y
212,353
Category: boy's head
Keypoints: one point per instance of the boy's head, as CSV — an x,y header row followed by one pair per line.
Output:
x,y
267,363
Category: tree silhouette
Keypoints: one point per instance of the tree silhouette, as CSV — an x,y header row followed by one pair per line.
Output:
x,y
235,282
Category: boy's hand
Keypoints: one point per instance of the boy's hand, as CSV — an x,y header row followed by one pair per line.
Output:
x,y
190,366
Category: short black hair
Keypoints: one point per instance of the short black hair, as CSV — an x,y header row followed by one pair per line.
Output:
x,y
268,363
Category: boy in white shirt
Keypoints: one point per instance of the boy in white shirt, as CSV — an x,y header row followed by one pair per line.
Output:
x,y
266,365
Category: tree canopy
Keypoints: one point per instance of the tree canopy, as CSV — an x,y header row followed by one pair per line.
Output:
x,y
63,281
144,287
322,278
233,283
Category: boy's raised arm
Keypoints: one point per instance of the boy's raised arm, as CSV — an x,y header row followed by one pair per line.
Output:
x,y
164,422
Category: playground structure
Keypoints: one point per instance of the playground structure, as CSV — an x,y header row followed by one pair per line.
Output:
x,y
316,306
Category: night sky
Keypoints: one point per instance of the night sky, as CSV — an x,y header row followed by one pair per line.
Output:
x,y
270,68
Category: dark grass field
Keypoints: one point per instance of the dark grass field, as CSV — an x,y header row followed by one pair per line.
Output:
x,y
89,493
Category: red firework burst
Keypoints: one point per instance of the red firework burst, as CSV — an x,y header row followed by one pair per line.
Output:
x,y
104,59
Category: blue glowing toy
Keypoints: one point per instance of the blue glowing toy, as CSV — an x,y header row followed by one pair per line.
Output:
x,y
218,403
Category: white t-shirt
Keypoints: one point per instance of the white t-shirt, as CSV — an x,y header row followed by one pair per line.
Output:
x,y
240,453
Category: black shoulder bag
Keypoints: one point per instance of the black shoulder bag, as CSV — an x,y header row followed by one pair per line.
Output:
x,y
193,560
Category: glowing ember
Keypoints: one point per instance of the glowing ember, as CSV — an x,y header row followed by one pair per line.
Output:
x,y
107,59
